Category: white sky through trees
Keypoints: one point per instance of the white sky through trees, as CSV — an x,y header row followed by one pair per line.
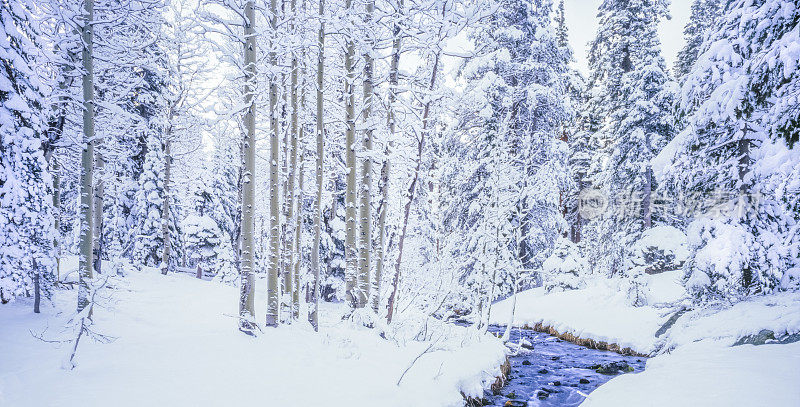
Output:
x,y
582,24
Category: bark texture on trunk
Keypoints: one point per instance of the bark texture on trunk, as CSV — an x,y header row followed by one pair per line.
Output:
x,y
165,251
412,190
365,230
313,313
292,218
351,248
386,168
274,180
85,274
247,293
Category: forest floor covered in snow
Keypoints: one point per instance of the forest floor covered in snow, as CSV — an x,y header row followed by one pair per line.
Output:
x,y
173,346
694,362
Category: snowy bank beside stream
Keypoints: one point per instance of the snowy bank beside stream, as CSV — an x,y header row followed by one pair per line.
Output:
x,y
599,311
177,344
695,362
709,373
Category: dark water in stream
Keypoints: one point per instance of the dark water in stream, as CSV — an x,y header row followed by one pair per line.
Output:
x,y
558,372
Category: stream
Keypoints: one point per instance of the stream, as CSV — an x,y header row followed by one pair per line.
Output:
x,y
556,372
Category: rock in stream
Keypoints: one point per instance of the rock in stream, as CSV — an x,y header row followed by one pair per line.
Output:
x,y
557,373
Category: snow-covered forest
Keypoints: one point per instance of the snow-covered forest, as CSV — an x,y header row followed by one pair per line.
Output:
x,y
398,202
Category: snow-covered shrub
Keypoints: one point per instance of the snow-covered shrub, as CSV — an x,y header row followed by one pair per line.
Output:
x,y
203,239
565,268
721,256
206,243
635,284
661,248
791,279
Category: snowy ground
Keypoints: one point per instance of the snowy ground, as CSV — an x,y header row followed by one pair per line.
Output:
x,y
598,312
708,373
175,347
695,363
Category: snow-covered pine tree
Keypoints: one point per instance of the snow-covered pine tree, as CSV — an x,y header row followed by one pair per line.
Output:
x,y
565,269
739,154
332,243
641,128
148,206
579,155
227,209
512,162
701,21
204,240
628,106
26,219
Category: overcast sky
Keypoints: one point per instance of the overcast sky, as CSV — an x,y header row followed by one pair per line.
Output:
x,y
582,24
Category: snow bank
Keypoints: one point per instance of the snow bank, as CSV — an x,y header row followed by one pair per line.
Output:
x,y
708,373
600,311
779,313
696,364
176,344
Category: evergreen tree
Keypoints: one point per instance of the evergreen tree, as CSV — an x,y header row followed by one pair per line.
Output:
x,y
701,21
204,239
512,169
628,106
739,153
26,219
579,156
332,244
148,206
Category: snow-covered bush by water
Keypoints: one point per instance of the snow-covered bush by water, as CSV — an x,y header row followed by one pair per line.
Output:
x,y
565,269
660,249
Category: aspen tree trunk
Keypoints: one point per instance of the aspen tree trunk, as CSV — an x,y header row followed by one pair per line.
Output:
x,y
274,209
55,170
291,192
365,231
313,313
412,189
298,226
165,252
351,248
247,293
84,267
288,176
386,167
37,291
97,211
298,234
